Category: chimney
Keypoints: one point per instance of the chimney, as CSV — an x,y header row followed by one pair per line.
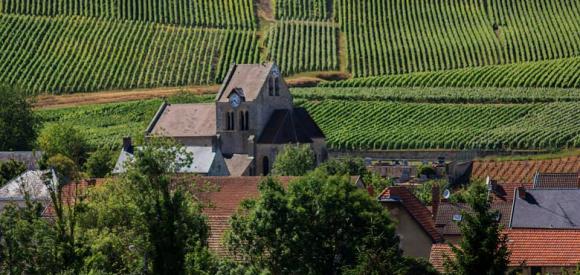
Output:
x,y
128,145
522,192
435,199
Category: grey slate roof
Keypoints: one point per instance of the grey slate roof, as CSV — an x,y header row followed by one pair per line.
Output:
x,y
29,182
290,127
203,157
547,208
184,120
30,158
250,78
557,180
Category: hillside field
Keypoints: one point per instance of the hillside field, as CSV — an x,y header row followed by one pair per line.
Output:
x,y
398,119
396,74
68,46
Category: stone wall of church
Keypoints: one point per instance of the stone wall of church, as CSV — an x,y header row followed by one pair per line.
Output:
x,y
270,151
260,110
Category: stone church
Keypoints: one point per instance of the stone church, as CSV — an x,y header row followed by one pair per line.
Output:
x,y
241,133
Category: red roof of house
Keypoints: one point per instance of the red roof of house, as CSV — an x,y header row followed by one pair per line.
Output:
x,y
532,247
544,247
523,170
438,253
417,210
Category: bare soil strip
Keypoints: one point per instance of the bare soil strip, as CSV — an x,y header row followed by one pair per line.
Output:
x,y
71,100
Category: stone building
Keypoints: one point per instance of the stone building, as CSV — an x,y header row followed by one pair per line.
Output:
x,y
251,120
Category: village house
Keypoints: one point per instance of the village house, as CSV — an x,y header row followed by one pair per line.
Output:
x,y
414,222
538,214
32,183
240,134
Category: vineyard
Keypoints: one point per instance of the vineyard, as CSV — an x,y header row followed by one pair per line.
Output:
x,y
106,124
387,37
72,54
67,46
561,73
299,47
373,125
302,9
440,95
204,13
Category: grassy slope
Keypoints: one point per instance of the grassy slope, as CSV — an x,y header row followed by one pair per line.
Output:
x,y
374,123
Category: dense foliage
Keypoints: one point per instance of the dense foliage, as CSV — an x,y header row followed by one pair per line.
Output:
x,y
294,160
395,37
322,222
207,13
63,139
18,123
391,125
102,54
10,169
299,47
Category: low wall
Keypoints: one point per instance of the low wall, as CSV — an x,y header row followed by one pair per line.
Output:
x,y
428,155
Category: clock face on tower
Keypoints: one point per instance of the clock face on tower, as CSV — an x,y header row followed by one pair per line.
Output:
x,y
235,100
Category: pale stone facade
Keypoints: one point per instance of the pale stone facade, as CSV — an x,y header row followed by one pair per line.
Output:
x,y
251,120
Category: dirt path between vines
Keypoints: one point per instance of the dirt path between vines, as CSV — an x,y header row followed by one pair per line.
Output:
x,y
71,100
61,101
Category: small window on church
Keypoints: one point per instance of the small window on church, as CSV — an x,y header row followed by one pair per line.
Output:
x,y
230,125
244,121
276,86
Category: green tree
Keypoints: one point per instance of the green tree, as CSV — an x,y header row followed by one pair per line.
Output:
x,y
294,160
67,202
344,166
63,139
174,230
483,248
10,169
100,163
17,120
27,241
322,222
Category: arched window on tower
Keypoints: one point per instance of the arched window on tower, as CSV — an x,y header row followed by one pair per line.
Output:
x,y
230,122
242,121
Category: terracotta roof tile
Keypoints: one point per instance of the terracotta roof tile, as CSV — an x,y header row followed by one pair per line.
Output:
x,y
544,247
523,170
534,247
419,212
438,253
223,202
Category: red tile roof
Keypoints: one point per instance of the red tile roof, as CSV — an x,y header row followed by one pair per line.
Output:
x,y
533,247
417,210
223,201
523,171
544,247
439,252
